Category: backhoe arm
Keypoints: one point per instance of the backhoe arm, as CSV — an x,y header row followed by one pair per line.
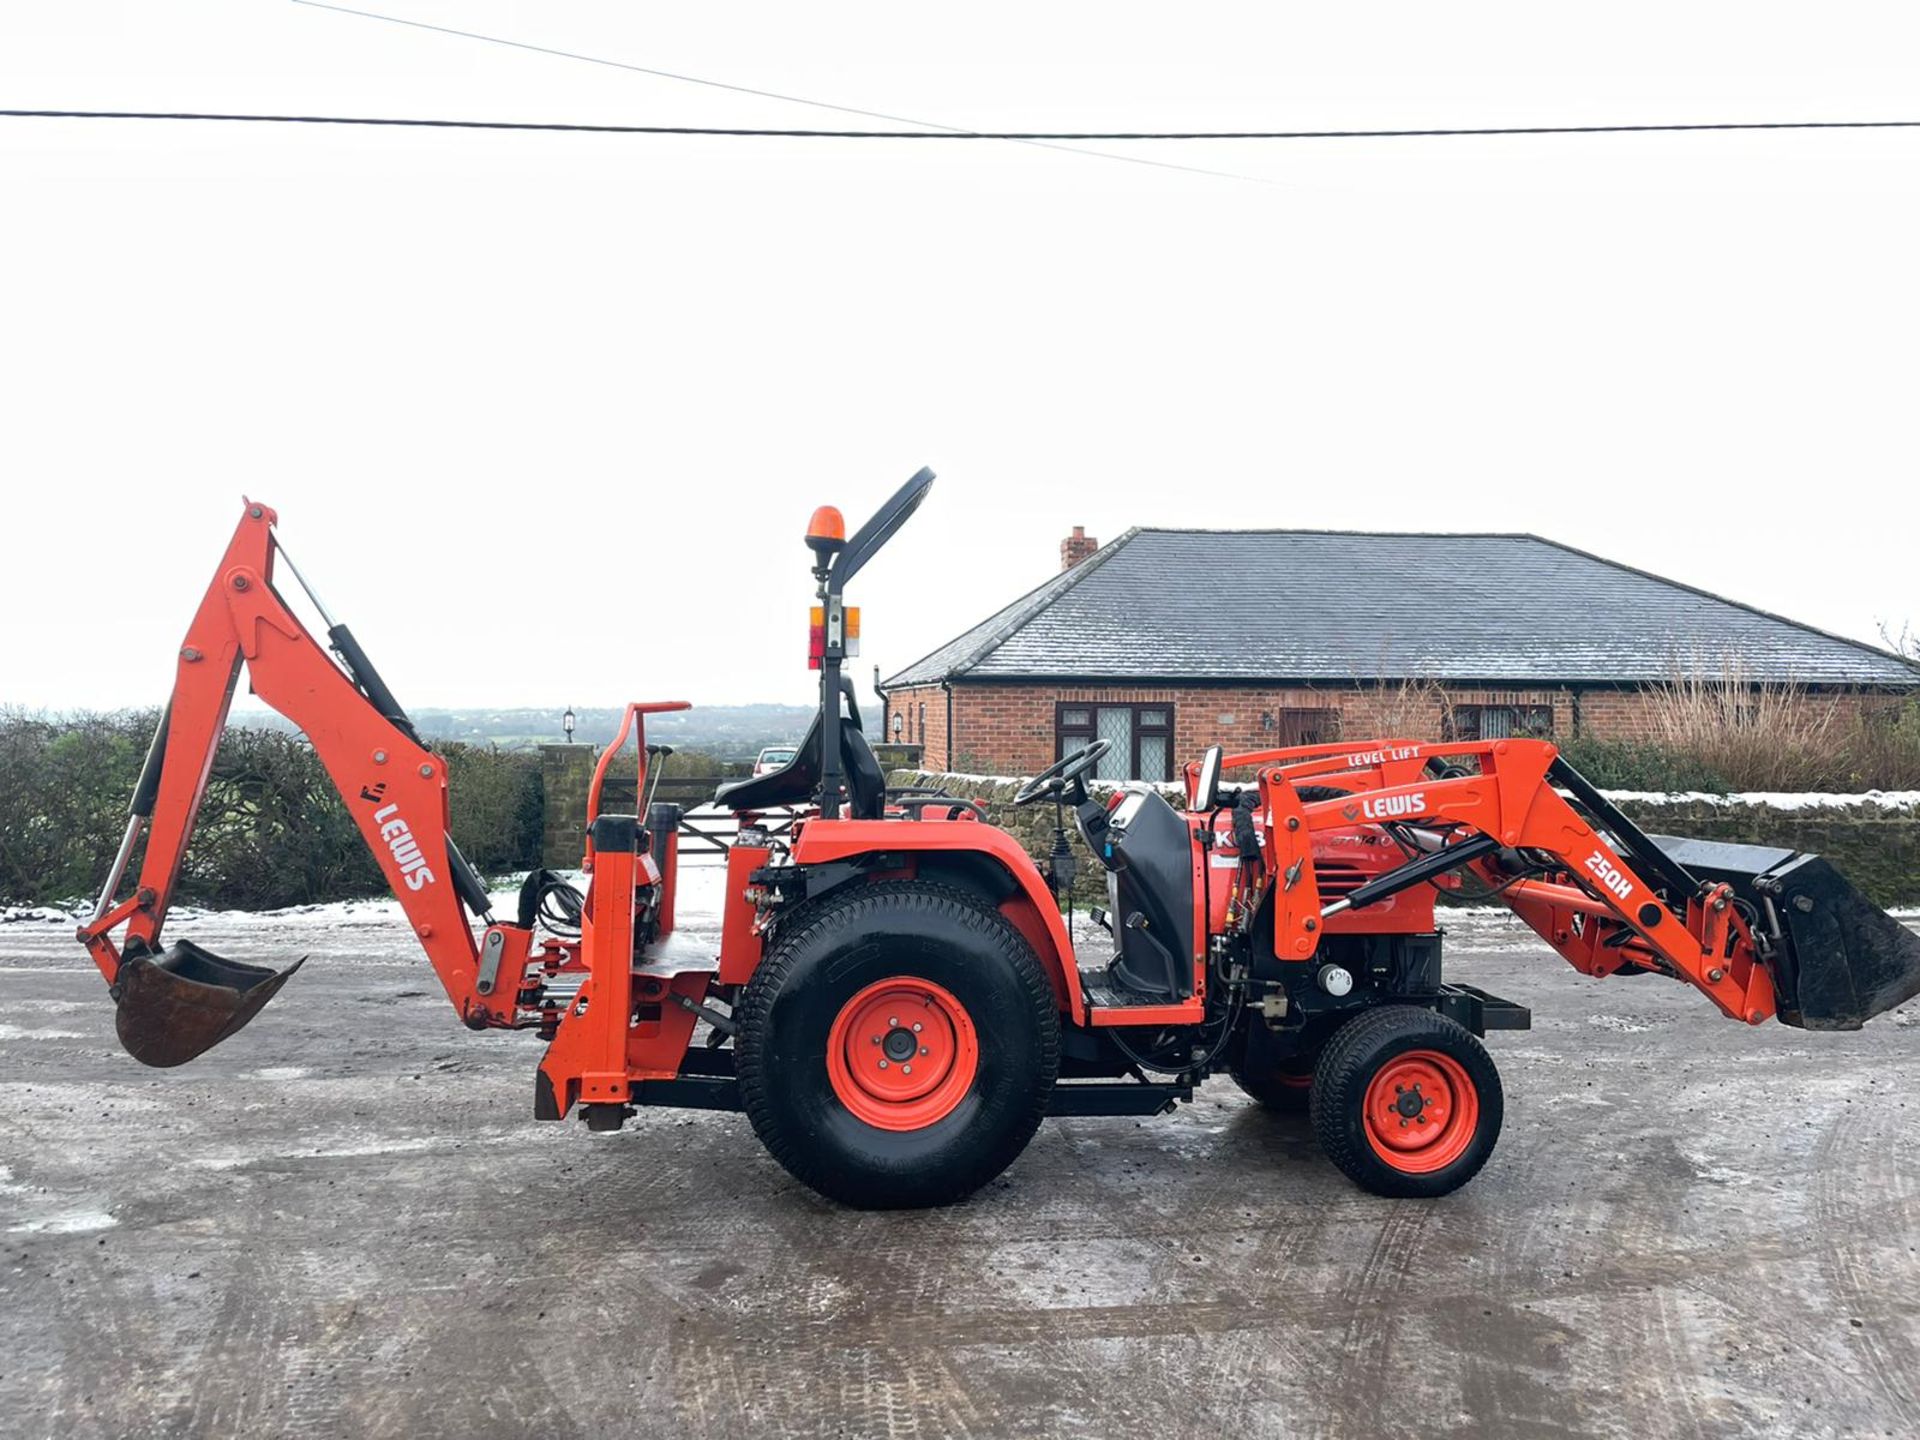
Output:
x,y
394,788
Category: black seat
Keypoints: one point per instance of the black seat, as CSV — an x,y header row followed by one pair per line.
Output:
x,y
798,781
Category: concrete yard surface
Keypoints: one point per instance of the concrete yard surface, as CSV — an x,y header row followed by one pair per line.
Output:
x,y
345,1221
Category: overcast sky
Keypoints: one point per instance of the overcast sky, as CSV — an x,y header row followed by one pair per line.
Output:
x,y
544,416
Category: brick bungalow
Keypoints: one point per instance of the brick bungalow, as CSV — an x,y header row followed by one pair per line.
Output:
x,y
1167,641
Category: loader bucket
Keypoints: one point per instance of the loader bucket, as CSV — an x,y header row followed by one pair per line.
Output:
x,y
1839,959
175,1005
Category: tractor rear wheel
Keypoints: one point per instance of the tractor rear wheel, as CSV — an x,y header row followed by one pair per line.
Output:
x,y
1406,1102
897,1045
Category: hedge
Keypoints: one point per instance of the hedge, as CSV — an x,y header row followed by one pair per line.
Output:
x,y
272,831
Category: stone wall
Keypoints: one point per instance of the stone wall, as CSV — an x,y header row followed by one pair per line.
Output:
x,y
1874,846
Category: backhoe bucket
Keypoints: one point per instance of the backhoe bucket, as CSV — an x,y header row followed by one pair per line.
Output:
x,y
1838,959
186,1000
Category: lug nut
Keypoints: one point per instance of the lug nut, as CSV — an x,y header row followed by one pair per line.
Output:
x,y
876,1039
906,1069
883,1064
923,1050
916,1027
894,1023
1716,975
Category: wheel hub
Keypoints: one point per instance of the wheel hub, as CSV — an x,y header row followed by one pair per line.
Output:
x,y
900,1044
1421,1111
902,1054
1410,1102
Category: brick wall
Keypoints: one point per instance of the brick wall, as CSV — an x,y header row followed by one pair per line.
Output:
x,y
923,722
1008,729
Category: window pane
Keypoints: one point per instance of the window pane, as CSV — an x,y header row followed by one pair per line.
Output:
x,y
1115,723
1496,722
1153,719
1153,758
1077,719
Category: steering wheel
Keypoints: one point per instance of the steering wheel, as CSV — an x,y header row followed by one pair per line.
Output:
x,y
1062,773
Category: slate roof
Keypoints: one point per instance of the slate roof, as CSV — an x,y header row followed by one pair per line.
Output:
x,y
1337,606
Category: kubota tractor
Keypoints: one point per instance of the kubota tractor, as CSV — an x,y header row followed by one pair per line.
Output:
x,y
897,1002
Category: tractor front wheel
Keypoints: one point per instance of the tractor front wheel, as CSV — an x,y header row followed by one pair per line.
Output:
x,y
1406,1102
897,1045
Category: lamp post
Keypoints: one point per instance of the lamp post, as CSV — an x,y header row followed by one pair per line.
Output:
x,y
566,724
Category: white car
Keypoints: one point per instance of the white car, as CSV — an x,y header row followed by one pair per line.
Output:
x,y
774,757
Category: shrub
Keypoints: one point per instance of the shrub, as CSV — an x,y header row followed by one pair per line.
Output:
x,y
1784,737
272,829
1759,736
498,805
1631,765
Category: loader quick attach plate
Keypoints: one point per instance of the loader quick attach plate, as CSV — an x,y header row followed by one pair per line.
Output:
x,y
184,1001
1841,959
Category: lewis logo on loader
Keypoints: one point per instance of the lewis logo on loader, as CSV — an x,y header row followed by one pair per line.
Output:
x,y
1388,806
406,850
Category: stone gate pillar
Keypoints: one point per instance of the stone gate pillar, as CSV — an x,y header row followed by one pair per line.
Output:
x,y
566,773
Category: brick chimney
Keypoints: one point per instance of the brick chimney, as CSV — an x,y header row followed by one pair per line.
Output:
x,y
1077,547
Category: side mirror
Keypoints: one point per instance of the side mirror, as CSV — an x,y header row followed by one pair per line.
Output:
x,y
1206,791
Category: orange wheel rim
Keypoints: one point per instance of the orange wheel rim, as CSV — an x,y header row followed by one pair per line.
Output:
x,y
1421,1111
902,1054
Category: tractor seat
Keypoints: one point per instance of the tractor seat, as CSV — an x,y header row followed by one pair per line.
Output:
x,y
798,781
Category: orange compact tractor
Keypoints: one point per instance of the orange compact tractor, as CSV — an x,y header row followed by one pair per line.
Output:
x,y
896,1002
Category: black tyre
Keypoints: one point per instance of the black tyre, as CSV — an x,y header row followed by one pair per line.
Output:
x,y
1406,1102
898,1045
1279,1082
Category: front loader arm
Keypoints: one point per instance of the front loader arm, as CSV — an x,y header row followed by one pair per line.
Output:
x,y
1760,931
1583,894
394,788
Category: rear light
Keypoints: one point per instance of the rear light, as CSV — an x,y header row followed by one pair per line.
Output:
x,y
817,634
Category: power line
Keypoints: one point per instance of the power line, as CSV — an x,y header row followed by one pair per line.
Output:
x,y
764,133
761,94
